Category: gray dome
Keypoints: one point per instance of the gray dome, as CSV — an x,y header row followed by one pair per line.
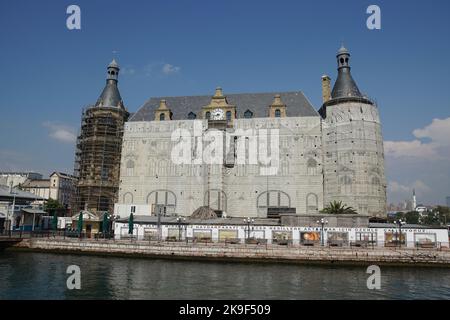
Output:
x,y
343,50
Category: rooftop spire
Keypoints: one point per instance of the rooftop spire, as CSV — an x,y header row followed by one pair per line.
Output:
x,y
110,96
344,86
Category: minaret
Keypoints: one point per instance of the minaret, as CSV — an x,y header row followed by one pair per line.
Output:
x,y
353,145
98,150
414,200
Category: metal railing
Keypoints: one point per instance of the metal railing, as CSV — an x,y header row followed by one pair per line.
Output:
x,y
335,244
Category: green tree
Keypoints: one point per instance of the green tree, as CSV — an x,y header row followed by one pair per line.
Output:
x,y
412,217
337,207
431,219
52,204
443,214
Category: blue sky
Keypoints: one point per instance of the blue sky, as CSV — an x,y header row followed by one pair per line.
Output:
x,y
189,47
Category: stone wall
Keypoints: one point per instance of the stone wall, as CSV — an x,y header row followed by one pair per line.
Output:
x,y
261,253
354,157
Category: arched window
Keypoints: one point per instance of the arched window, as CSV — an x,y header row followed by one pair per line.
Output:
x,y
191,116
311,203
163,197
130,168
208,115
248,114
311,166
216,199
273,199
162,117
277,113
345,183
228,115
128,197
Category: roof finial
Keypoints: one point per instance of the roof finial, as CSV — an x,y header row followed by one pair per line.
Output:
x,y
218,93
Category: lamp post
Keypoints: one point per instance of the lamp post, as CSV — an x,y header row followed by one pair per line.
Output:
x,y
400,223
248,221
322,223
180,220
12,209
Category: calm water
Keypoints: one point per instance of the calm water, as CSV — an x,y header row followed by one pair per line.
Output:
x,y
26,275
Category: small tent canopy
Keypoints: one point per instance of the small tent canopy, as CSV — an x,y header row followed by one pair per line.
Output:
x,y
204,213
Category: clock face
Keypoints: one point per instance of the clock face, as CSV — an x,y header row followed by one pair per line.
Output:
x,y
217,114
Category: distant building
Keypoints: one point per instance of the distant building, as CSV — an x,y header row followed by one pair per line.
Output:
x,y
421,209
38,187
17,178
448,201
12,201
60,186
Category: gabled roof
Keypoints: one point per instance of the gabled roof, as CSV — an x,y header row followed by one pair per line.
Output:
x,y
63,175
296,102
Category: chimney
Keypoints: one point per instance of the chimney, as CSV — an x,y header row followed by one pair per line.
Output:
x,y
326,88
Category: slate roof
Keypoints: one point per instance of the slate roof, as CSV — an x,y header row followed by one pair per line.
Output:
x,y
4,192
297,105
38,183
110,96
345,86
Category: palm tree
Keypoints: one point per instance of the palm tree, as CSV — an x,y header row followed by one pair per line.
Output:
x,y
336,207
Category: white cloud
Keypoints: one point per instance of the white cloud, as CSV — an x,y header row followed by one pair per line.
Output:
x,y
421,163
158,69
436,146
128,71
60,132
419,186
414,148
438,131
169,69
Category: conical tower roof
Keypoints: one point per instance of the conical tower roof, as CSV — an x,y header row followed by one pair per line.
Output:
x,y
345,86
110,96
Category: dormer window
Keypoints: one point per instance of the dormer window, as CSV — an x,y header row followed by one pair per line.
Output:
x,y
192,116
248,114
162,117
277,113
208,115
228,115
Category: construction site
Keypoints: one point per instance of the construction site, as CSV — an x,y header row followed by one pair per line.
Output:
x,y
98,149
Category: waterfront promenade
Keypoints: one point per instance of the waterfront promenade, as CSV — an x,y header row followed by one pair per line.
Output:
x,y
242,252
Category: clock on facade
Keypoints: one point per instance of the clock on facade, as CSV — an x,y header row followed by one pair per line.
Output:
x,y
217,114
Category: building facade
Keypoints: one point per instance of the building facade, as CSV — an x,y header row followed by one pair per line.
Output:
x,y
60,186
255,155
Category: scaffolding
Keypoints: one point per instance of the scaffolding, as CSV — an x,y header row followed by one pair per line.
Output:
x,y
97,159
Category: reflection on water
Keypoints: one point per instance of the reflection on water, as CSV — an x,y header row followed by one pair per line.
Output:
x,y
25,275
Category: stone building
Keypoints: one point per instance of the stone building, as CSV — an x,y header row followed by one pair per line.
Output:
x,y
60,186
98,149
256,154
